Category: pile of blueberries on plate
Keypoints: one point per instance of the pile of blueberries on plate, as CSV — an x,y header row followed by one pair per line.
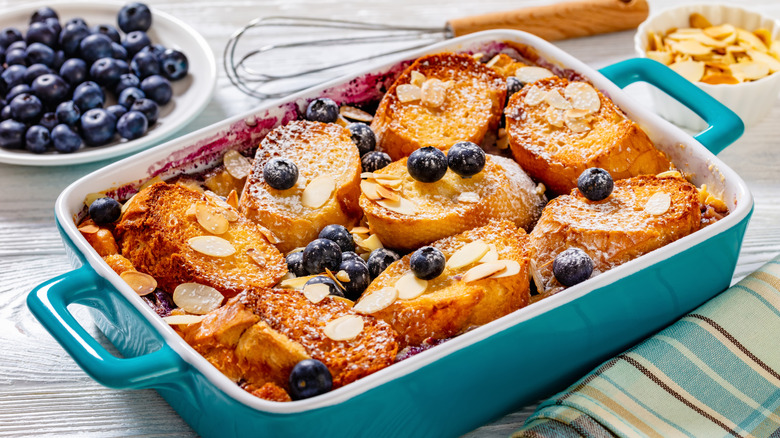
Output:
x,y
56,76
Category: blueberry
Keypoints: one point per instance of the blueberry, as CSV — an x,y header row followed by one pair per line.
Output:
x,y
34,71
132,124
348,255
333,288
127,80
466,158
106,71
94,47
88,95
135,41
427,263
16,57
322,109
37,139
54,23
76,20
145,64
2,58
17,45
363,137
51,88
5,113
513,85
68,113
308,378
12,134
41,14
280,173
17,90
65,139
9,35
105,210
107,30
118,51
149,108
379,260
26,108
155,49
340,235
320,254
359,277
48,120
134,16
375,160
157,88
117,111
71,36
128,96
41,33
295,264
572,266
97,127
14,75
74,70
174,64
38,53
595,184
427,164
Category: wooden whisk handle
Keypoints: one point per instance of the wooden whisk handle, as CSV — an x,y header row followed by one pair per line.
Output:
x,y
560,21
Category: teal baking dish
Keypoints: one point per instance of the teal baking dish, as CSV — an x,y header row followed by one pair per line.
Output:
x,y
451,388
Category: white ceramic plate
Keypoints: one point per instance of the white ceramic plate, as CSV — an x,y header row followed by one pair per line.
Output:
x,y
190,95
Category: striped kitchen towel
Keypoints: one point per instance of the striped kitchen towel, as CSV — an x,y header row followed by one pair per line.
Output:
x,y
714,373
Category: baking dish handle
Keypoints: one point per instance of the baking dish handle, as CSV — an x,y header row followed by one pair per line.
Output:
x,y
49,303
725,127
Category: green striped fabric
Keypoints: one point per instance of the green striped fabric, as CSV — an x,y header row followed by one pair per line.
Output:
x,y
714,373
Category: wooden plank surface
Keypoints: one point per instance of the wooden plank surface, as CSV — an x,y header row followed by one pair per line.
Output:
x,y
44,393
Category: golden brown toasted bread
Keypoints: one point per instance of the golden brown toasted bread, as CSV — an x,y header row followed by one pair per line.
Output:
x,y
155,231
320,150
259,336
643,213
504,65
461,100
431,211
557,129
450,304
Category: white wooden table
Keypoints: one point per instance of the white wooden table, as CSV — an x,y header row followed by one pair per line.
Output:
x,y
44,393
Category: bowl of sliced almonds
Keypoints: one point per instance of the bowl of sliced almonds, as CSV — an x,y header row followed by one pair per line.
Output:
x,y
728,51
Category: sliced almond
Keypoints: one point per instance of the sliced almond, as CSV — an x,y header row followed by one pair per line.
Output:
x,y
410,287
295,283
212,221
237,165
554,116
532,74
357,114
318,191
770,61
536,276
502,142
183,319
690,70
191,211
556,100
196,298
699,21
408,93
127,204
344,328
511,267
433,93
468,197
750,70
720,32
92,197
393,182
577,125
716,79
534,96
149,182
370,189
142,284
482,270
376,300
333,277
491,255
669,174
690,47
402,206
269,235
468,254
256,256
417,78
232,199
583,96
665,58
297,249
231,215
212,246
658,204
751,40
386,193
316,292
575,113
89,229
343,276
371,243
359,230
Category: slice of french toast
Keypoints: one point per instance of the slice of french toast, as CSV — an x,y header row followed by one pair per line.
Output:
x,y
430,211
459,299
557,129
437,101
328,163
643,213
259,336
171,232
